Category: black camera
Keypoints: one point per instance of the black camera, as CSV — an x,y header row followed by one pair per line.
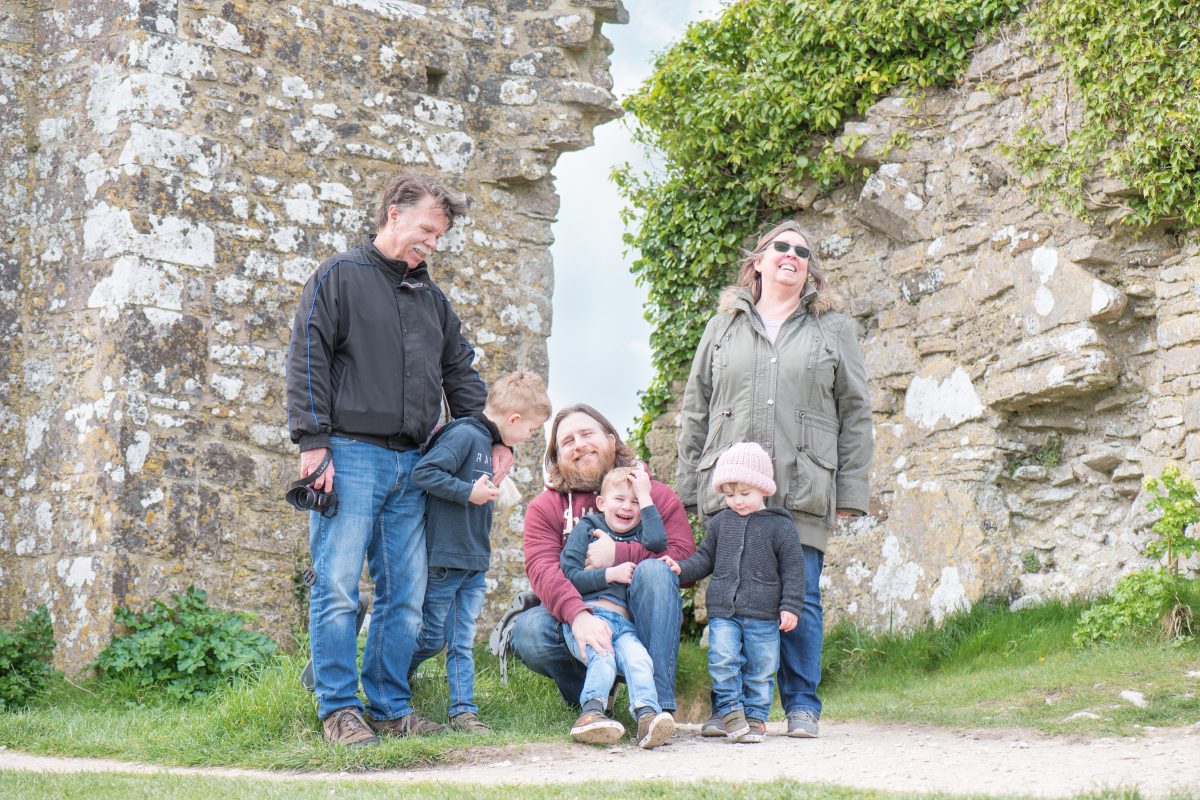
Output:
x,y
303,497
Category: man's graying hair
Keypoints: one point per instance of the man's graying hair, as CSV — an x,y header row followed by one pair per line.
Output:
x,y
410,188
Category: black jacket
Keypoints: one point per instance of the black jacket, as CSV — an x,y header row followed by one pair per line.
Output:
x,y
373,346
756,562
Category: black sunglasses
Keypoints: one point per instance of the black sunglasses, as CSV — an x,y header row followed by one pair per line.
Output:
x,y
783,247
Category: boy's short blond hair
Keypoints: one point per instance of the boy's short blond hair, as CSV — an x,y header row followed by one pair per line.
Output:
x,y
613,478
521,392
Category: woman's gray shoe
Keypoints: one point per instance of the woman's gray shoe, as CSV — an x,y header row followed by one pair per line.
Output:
x,y
713,726
802,724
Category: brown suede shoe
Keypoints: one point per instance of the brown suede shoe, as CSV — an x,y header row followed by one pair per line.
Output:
x,y
408,725
654,729
346,726
735,724
467,722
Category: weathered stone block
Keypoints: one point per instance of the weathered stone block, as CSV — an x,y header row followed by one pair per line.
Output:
x,y
1064,363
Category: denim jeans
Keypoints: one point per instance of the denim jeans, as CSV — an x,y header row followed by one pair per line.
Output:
x,y
654,604
800,648
629,656
743,654
382,517
453,600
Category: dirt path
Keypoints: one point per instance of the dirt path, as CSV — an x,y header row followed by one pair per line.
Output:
x,y
894,757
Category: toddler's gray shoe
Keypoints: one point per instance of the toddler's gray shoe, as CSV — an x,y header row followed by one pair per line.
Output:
x,y
802,724
735,724
713,726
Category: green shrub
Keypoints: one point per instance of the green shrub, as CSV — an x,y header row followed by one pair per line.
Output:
x,y
186,650
1159,599
1137,605
25,654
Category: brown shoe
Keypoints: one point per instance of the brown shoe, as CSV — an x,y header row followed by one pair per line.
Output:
x,y
468,722
408,725
654,729
593,727
735,724
346,726
758,731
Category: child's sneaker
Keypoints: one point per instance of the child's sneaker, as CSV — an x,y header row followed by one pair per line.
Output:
x,y
593,727
758,731
735,724
654,729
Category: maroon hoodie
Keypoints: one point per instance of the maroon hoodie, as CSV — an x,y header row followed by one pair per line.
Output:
x,y
547,524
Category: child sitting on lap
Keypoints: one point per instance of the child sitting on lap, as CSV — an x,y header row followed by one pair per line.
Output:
x,y
627,514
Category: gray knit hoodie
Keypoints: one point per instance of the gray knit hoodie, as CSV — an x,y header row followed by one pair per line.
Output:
x,y
756,563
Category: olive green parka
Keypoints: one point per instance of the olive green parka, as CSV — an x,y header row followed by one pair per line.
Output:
x,y
803,398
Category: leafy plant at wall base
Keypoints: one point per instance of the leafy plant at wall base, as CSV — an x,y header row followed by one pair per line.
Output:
x,y
185,650
1160,597
25,657
743,111
1176,497
1137,604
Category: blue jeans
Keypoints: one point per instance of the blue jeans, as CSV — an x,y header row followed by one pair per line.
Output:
x,y
453,600
381,517
654,604
743,654
628,656
800,648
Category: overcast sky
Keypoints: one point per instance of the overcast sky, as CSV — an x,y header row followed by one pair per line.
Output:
x,y
599,343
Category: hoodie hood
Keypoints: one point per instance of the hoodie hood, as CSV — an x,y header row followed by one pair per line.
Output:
x,y
735,298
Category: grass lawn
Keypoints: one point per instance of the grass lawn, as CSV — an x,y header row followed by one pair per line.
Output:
x,y
177,787
987,668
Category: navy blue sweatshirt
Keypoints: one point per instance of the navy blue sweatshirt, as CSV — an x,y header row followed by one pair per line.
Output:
x,y
457,532
592,583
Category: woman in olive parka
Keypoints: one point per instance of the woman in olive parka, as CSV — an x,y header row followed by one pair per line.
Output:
x,y
780,365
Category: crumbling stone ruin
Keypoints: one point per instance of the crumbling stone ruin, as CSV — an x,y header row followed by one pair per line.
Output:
x,y
173,170
1027,368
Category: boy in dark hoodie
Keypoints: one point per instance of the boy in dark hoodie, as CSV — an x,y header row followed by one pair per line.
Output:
x,y
757,590
456,473
627,514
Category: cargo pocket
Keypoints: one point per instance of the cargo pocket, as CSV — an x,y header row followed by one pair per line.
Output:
x,y
710,500
813,482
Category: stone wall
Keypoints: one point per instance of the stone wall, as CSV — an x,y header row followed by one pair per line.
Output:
x,y
173,171
997,334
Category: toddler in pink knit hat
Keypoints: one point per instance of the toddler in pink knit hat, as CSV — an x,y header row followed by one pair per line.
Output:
x,y
753,553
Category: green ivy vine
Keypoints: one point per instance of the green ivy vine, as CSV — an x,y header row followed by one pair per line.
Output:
x,y
1135,66
743,111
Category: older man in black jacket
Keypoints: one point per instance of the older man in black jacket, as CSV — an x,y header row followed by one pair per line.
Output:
x,y
374,346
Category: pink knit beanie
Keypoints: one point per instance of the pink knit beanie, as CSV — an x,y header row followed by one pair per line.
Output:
x,y
748,463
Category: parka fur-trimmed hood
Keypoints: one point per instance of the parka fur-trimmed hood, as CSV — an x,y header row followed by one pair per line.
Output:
x,y
818,302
